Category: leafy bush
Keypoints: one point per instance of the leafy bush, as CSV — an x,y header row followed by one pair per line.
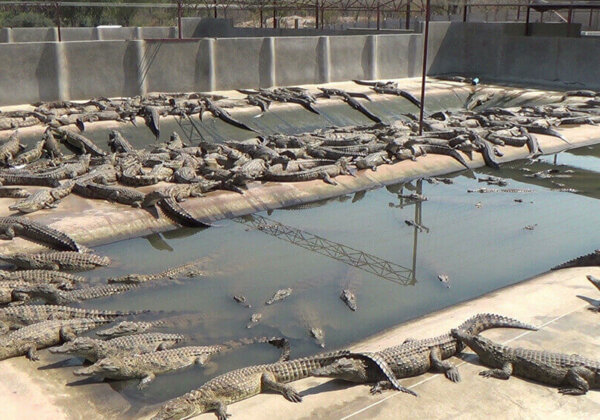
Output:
x,y
28,20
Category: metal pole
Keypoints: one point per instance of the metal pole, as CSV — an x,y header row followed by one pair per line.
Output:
x,y
179,4
518,13
317,14
590,21
425,41
570,15
215,9
527,21
408,14
465,13
261,17
58,20
378,17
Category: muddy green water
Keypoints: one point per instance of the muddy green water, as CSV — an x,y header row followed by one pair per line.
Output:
x,y
477,240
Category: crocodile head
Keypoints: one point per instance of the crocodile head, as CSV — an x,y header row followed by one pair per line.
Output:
x,y
347,369
179,408
104,366
79,345
477,343
122,328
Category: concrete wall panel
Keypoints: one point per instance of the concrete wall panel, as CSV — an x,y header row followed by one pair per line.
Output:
x,y
349,58
79,34
107,68
398,56
172,67
33,34
241,63
297,61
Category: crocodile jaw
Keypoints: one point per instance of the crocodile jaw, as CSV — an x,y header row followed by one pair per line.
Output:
x,y
351,370
177,410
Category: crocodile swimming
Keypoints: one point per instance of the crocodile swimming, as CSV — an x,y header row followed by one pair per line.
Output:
x,y
247,382
575,374
415,357
125,328
93,349
146,366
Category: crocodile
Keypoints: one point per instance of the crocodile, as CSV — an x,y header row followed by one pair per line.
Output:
x,y
29,339
223,115
189,269
124,328
348,98
319,336
349,298
575,374
29,156
14,192
52,295
115,193
66,260
118,143
415,357
152,117
372,161
51,177
93,349
43,199
10,147
242,300
146,366
41,276
173,210
240,384
21,226
15,317
588,260
78,142
326,173
279,295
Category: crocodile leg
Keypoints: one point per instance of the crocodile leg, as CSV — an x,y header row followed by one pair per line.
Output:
x,y
580,377
221,411
504,373
328,179
32,353
146,380
67,334
7,232
269,382
443,365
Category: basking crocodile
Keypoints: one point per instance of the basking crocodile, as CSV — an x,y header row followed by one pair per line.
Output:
x,y
326,173
575,374
52,295
50,144
22,226
93,349
415,357
247,382
115,193
146,366
78,142
349,99
41,276
223,115
29,339
124,328
173,210
43,199
30,155
66,260
48,178
588,260
14,192
15,317
118,143
10,147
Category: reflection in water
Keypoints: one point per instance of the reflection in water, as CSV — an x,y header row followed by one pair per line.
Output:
x,y
157,242
370,263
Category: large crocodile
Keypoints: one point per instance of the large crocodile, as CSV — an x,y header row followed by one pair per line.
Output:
x,y
326,173
21,226
188,269
247,382
124,328
588,260
65,260
93,349
575,374
15,317
415,357
146,366
43,199
29,339
50,294
41,276
78,142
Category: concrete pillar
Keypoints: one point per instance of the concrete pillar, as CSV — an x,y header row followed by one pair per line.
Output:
x,y
142,66
211,65
6,35
62,71
97,33
137,33
372,70
324,60
173,32
53,34
267,65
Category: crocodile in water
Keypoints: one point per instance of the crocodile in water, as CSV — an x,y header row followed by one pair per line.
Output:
x,y
22,226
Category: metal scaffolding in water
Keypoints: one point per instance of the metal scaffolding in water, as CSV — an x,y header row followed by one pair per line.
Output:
x,y
345,254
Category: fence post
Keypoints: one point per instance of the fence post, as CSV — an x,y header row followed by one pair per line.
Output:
x,y
527,21
465,12
407,26
215,9
274,14
518,13
590,21
424,72
317,14
378,17
570,15
179,7
57,4
261,17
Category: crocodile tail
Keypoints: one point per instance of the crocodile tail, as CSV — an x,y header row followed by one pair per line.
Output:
x,y
482,322
279,342
594,280
591,259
